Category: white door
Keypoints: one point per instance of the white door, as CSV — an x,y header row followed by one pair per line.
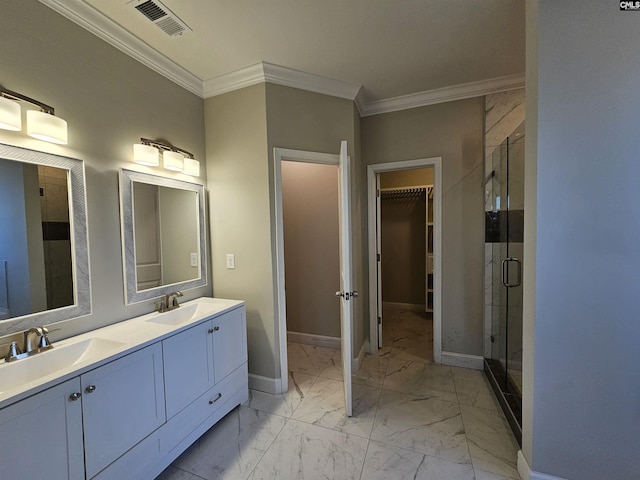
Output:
x,y
379,260
346,293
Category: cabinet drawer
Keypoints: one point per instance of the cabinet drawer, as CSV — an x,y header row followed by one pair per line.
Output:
x,y
185,422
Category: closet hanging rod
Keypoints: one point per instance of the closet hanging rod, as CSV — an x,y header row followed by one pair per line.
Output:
x,y
405,192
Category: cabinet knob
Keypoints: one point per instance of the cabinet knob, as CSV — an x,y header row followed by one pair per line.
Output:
x,y
218,397
75,396
210,330
216,328
90,389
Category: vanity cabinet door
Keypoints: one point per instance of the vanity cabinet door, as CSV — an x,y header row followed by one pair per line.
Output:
x,y
229,342
188,369
122,403
42,436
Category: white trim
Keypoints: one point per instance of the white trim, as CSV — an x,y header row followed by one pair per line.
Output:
x,y
280,154
409,307
265,72
317,340
372,171
103,27
463,360
266,384
527,474
441,95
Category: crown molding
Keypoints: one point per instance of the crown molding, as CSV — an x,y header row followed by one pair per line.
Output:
x,y
95,22
441,95
264,72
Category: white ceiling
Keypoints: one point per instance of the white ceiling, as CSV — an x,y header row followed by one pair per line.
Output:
x,y
391,48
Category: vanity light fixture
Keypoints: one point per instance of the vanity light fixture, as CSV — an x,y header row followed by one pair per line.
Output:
x,y
173,161
146,155
147,152
10,115
41,124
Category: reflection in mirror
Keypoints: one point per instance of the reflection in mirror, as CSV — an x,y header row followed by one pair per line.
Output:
x,y
44,271
163,235
165,230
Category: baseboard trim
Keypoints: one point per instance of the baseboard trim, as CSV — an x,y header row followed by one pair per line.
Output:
x,y
409,307
462,360
527,474
265,384
317,340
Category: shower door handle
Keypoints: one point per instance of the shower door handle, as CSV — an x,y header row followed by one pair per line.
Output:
x,y
505,280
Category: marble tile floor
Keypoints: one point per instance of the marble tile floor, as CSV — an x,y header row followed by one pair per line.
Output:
x,y
412,419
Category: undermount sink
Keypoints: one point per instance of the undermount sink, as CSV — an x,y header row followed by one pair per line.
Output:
x,y
186,313
21,372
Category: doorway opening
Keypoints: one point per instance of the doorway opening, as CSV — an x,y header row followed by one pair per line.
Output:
x,y
327,270
405,257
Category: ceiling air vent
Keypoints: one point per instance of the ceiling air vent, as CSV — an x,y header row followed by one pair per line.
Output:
x,y
161,16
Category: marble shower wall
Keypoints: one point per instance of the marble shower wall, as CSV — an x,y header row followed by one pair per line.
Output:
x,y
54,208
504,112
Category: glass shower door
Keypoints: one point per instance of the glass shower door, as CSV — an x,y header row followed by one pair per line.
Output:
x,y
504,238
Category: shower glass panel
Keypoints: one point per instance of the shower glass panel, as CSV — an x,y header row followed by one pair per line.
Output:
x,y
504,221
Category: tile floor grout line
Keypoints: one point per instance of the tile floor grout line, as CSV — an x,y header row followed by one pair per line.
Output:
x,y
270,444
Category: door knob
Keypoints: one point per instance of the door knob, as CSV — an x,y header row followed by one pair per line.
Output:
x,y
354,294
339,294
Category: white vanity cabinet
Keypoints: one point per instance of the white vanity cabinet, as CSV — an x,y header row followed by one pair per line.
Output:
x,y
131,415
206,376
41,436
122,403
229,342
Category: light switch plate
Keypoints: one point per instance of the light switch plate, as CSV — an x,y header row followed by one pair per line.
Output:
x,y
194,259
231,261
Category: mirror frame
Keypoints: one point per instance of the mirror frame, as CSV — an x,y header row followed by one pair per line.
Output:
x,y
131,293
79,240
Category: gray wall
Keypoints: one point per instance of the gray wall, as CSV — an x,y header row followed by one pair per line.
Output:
x,y
581,314
311,247
109,101
453,131
240,207
310,121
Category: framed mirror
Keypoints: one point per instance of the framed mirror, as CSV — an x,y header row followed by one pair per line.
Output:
x,y
163,235
44,258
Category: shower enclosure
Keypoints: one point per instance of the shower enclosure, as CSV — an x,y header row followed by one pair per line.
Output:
x,y
504,221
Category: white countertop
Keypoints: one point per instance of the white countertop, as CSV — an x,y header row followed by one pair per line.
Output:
x,y
101,346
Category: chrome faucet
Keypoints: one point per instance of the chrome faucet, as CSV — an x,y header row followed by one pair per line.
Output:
x,y
29,345
169,302
172,300
41,344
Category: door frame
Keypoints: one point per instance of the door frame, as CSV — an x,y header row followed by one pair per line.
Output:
x,y
372,171
280,155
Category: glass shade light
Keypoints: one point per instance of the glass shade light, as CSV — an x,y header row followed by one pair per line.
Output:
x,y
191,167
146,155
173,161
10,115
47,127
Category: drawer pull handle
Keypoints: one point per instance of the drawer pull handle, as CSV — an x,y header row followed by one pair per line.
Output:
x,y
90,389
216,328
75,396
218,397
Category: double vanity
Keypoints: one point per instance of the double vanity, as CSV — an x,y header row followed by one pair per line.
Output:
x,y
125,400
